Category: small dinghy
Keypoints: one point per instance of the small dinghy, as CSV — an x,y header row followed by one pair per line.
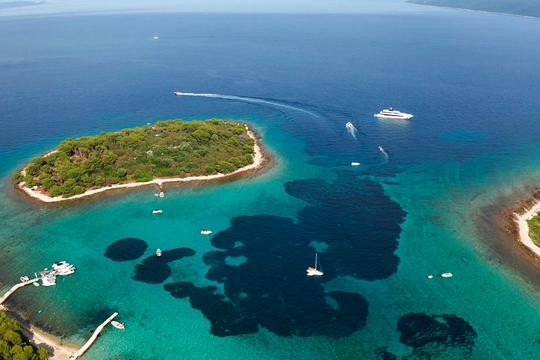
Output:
x,y
118,325
158,253
355,163
157,211
36,284
206,231
430,276
447,275
315,271
24,278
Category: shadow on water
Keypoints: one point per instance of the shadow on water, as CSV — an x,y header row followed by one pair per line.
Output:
x,y
354,219
126,249
155,270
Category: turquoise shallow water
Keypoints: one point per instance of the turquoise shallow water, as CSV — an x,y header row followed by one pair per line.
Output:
x,y
381,228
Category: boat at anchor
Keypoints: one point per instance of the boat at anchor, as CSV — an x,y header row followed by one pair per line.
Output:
x,y
317,270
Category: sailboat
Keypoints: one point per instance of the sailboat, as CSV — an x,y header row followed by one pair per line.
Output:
x,y
314,271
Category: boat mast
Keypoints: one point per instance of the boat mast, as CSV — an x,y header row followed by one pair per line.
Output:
x,y
315,261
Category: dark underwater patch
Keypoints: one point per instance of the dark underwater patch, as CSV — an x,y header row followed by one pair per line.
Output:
x,y
126,249
155,270
354,219
436,335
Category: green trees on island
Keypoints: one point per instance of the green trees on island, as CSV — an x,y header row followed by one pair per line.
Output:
x,y
14,345
172,148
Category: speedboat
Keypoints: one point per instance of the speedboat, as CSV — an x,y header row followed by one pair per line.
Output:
x,y
381,149
158,252
447,275
24,278
393,114
156,37
157,211
314,271
160,194
118,325
206,231
349,125
355,163
177,93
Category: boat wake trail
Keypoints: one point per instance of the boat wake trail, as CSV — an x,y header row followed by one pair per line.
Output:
x,y
253,101
351,129
385,154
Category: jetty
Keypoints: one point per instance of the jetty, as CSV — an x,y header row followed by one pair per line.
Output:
x,y
93,338
14,288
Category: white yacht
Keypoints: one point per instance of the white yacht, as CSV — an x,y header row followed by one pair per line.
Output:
x,y
355,163
349,125
63,268
158,253
447,275
177,93
314,271
393,114
206,231
157,211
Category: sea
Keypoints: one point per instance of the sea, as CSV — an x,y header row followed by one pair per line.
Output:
x,y
423,201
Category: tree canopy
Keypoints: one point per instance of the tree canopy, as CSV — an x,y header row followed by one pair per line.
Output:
x,y
14,345
172,148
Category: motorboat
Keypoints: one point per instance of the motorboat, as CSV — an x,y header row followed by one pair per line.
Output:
x,y
24,278
177,93
49,279
118,325
447,275
355,163
156,37
430,276
36,284
157,211
206,231
381,149
315,271
63,268
160,194
158,253
391,113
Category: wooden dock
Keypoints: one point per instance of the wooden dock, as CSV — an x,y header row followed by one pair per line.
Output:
x,y
93,338
13,289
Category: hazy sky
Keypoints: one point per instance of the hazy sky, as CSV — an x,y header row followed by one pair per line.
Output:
x,y
264,6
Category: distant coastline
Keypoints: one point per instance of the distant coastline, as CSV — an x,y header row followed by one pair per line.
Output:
x,y
259,161
453,5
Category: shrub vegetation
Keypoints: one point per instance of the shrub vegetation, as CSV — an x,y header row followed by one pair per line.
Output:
x,y
14,345
172,148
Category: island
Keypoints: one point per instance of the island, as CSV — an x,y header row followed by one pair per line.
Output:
x,y
167,151
513,7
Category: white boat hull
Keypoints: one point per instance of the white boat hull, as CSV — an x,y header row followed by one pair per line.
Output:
x,y
400,117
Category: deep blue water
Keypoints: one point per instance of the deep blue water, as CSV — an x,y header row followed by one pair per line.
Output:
x,y
473,83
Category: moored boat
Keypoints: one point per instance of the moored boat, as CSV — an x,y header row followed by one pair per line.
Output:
x,y
447,275
158,253
118,325
206,231
157,211
315,271
355,163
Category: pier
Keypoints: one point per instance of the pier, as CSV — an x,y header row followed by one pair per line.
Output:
x,y
93,338
13,289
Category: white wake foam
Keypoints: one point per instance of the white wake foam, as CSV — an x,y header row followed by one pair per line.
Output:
x,y
252,100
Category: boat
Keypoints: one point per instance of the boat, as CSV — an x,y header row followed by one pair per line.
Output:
x,y
447,275
49,279
391,113
430,276
24,278
157,211
206,231
36,284
381,149
156,37
158,252
355,163
349,125
177,93
313,271
63,268
118,325
160,194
